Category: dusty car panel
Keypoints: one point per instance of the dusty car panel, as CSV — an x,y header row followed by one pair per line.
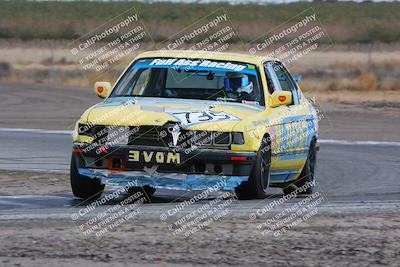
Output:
x,y
231,101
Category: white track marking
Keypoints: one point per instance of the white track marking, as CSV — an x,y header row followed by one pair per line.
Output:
x,y
21,130
321,141
366,143
334,207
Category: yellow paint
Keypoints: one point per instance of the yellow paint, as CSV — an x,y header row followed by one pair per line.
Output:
x,y
253,122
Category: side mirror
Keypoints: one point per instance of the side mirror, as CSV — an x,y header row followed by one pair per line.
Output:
x,y
297,78
102,89
281,98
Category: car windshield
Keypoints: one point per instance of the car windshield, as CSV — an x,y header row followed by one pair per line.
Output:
x,y
191,79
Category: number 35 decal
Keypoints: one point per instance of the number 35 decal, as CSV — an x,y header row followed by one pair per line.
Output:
x,y
195,117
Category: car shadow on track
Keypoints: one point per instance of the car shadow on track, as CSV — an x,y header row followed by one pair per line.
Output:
x,y
162,196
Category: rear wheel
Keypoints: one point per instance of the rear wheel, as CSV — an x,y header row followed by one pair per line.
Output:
x,y
258,183
83,186
307,175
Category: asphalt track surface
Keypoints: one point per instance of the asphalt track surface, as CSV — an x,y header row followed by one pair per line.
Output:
x,y
349,174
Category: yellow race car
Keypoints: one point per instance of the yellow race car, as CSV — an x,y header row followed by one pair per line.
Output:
x,y
195,121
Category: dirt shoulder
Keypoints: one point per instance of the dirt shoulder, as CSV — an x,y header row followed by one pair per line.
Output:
x,y
345,122
31,183
324,240
41,106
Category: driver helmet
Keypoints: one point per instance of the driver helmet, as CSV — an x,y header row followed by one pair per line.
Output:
x,y
238,82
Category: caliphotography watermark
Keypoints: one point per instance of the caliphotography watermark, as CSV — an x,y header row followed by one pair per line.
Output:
x,y
280,216
212,33
97,218
292,40
179,138
114,43
193,215
285,136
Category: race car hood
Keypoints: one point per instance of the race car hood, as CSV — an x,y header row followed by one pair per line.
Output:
x,y
190,114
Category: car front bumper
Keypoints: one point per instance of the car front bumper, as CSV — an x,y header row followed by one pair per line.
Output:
x,y
177,181
198,169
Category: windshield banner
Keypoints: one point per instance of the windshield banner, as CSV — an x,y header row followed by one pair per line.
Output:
x,y
195,65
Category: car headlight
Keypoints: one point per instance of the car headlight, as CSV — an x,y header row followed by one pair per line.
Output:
x,y
84,129
98,133
237,138
221,138
217,138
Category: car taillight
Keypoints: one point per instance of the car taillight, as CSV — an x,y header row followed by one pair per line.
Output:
x,y
238,158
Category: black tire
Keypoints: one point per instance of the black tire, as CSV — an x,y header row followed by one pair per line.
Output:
x,y
83,186
307,174
257,186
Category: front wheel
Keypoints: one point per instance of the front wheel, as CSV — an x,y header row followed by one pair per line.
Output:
x,y
307,175
83,186
258,183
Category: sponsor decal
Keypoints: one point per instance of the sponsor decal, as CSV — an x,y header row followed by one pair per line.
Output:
x,y
175,131
194,117
154,157
180,63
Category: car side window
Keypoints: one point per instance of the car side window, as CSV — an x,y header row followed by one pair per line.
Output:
x,y
271,86
285,80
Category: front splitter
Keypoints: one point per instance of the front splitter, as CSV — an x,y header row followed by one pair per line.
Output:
x,y
154,179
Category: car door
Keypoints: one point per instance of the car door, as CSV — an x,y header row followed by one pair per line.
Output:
x,y
291,151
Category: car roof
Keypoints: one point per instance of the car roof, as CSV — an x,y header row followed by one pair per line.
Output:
x,y
245,58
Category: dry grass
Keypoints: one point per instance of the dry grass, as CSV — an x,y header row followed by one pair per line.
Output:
x,y
335,69
363,82
29,183
345,22
371,99
350,70
366,81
